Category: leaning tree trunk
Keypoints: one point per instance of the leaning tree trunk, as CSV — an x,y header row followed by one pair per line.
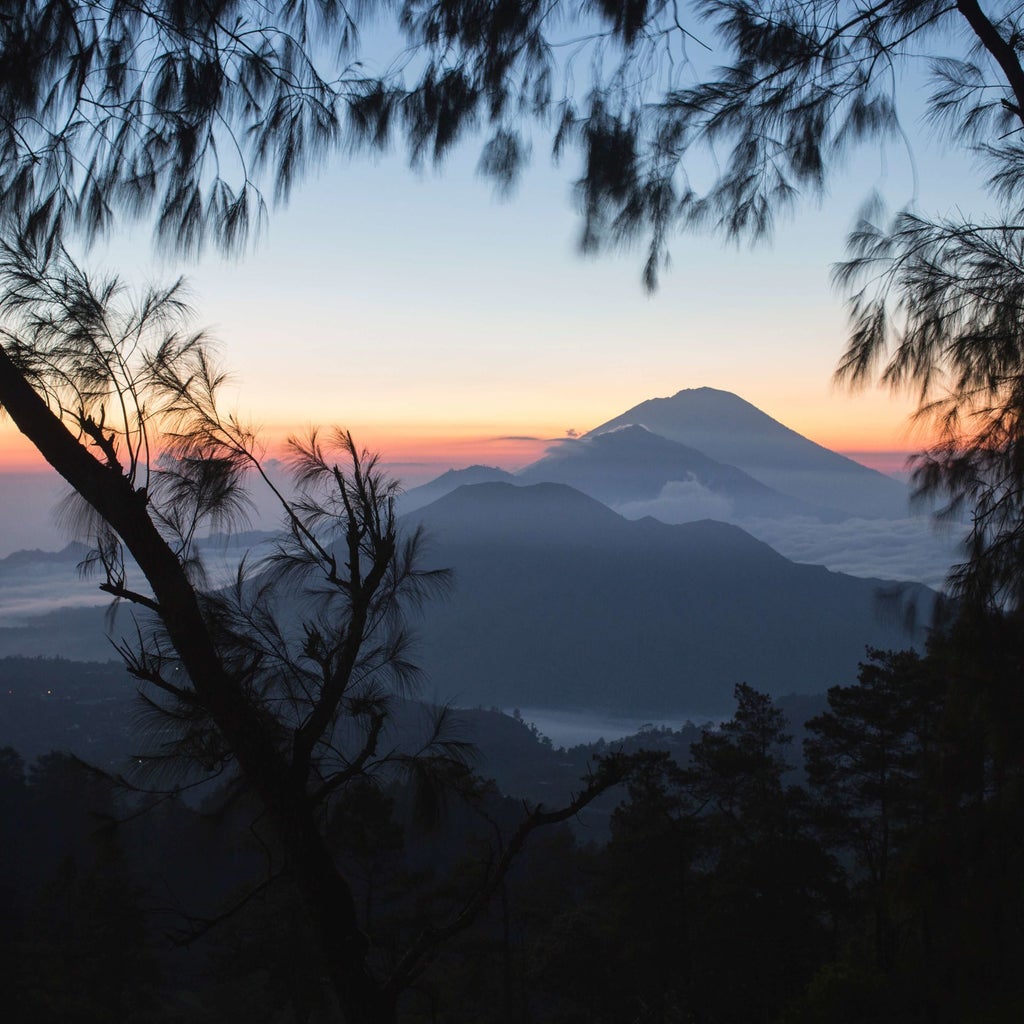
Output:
x,y
326,894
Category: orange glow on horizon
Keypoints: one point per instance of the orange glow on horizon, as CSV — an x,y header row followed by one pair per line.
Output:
x,y
416,455
892,463
17,453
445,446
410,454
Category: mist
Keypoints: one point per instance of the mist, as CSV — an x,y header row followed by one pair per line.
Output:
x,y
27,501
910,548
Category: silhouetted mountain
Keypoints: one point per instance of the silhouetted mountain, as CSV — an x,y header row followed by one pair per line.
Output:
x,y
71,555
417,497
725,427
546,513
631,463
561,603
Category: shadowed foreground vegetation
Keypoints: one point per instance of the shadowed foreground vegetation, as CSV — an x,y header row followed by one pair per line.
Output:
x,y
877,877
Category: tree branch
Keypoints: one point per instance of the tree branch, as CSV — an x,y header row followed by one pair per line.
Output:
x,y
999,49
197,927
356,766
116,590
611,771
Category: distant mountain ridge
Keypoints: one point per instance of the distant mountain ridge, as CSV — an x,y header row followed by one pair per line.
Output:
x,y
715,444
561,603
731,430
632,463
71,554
417,497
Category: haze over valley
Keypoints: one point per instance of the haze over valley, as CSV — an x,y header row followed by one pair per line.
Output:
x,y
625,573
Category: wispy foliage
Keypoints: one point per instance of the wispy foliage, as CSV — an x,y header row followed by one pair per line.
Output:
x,y
940,309
315,634
102,358
164,108
192,115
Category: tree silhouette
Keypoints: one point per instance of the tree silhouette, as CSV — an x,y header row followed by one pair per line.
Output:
x,y
710,901
189,113
917,771
83,951
289,674
868,760
192,113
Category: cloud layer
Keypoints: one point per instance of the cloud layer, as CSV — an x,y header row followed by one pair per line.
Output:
x,y
910,548
681,501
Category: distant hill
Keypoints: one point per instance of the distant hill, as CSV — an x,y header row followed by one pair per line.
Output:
x,y
70,555
561,603
630,463
727,428
426,493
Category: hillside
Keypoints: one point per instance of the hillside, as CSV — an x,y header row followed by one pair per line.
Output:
x,y
561,603
727,428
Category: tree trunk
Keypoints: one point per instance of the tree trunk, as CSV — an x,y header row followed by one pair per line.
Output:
x,y
327,896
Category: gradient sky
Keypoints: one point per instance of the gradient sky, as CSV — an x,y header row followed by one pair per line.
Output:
x,y
445,328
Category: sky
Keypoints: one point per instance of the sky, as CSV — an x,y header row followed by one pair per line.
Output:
x,y
446,328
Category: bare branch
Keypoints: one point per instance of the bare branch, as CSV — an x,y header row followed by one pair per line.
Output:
x,y
611,772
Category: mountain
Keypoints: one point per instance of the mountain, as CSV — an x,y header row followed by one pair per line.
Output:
x,y
18,561
630,463
426,493
725,427
561,603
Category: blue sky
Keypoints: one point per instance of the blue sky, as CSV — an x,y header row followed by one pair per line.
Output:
x,y
395,302
431,319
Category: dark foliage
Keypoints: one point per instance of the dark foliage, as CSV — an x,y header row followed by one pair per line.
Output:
x,y
725,892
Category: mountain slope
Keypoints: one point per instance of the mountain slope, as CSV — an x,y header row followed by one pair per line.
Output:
x,y
25,558
560,603
630,463
417,497
731,430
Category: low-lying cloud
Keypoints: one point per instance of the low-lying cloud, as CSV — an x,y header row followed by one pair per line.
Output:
x,y
910,549
681,501
42,589
36,588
